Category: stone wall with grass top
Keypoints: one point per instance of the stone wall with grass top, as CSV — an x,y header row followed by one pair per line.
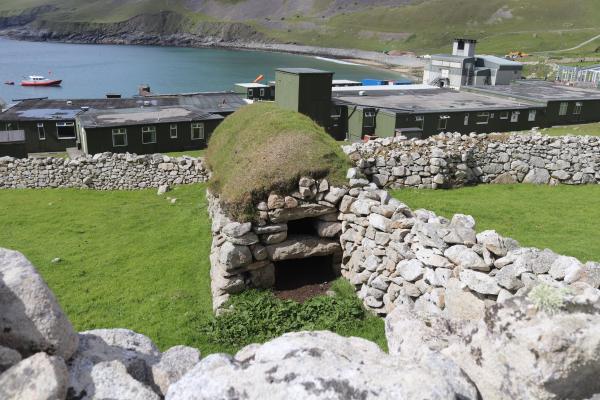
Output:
x,y
104,171
452,160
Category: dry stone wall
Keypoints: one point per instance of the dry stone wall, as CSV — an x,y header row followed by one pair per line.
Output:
x,y
104,171
392,255
452,160
399,257
243,254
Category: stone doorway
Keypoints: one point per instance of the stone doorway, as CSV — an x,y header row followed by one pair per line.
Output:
x,y
303,278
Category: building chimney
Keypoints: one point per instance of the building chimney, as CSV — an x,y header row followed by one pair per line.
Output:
x,y
464,47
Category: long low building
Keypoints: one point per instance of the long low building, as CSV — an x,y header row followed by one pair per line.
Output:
x,y
145,130
564,105
49,124
427,111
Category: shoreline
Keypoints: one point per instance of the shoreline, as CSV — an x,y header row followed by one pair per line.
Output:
x,y
406,65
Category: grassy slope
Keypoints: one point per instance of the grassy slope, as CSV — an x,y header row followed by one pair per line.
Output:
x,y
263,148
130,260
562,218
428,25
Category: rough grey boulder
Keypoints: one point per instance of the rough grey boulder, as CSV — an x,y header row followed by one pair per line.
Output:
x,y
8,358
31,320
466,258
302,246
321,365
110,380
461,304
518,351
134,351
303,211
39,377
479,282
173,364
537,176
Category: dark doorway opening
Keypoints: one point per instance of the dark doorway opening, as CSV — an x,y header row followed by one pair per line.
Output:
x,y
304,278
304,226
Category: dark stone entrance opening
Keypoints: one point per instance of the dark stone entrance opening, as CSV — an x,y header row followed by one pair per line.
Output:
x,y
304,226
304,278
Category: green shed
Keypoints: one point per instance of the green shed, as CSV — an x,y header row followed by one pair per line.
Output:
x,y
307,91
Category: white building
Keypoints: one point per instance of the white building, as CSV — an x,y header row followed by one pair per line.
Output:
x,y
464,68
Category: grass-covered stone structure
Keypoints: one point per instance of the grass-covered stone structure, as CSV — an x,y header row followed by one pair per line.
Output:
x,y
274,203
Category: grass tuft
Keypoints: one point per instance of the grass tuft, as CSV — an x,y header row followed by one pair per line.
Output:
x,y
263,148
548,298
258,316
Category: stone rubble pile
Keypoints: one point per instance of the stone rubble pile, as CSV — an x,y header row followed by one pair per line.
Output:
x,y
243,253
452,160
103,171
397,256
516,351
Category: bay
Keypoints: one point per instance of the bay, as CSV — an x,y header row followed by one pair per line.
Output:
x,y
90,70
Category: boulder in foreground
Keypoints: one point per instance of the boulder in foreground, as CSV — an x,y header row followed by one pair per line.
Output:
x,y
31,320
321,365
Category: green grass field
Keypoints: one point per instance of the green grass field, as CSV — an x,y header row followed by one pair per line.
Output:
x,y
133,260
563,218
579,130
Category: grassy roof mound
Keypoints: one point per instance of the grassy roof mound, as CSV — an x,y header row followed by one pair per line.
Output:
x,y
262,148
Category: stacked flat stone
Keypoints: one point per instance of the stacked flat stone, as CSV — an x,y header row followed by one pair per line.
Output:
x,y
452,160
243,253
396,256
104,171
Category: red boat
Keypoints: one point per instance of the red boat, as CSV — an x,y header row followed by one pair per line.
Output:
x,y
35,80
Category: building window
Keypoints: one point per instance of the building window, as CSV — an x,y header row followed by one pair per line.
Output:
x,y
514,116
369,119
419,121
483,118
173,131
65,130
262,92
563,108
119,137
250,92
531,115
148,134
197,131
504,115
466,120
41,131
443,122
577,109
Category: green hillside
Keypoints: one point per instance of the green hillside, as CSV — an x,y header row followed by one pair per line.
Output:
x,y
422,26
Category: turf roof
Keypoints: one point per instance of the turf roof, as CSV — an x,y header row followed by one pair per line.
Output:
x,y
263,148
